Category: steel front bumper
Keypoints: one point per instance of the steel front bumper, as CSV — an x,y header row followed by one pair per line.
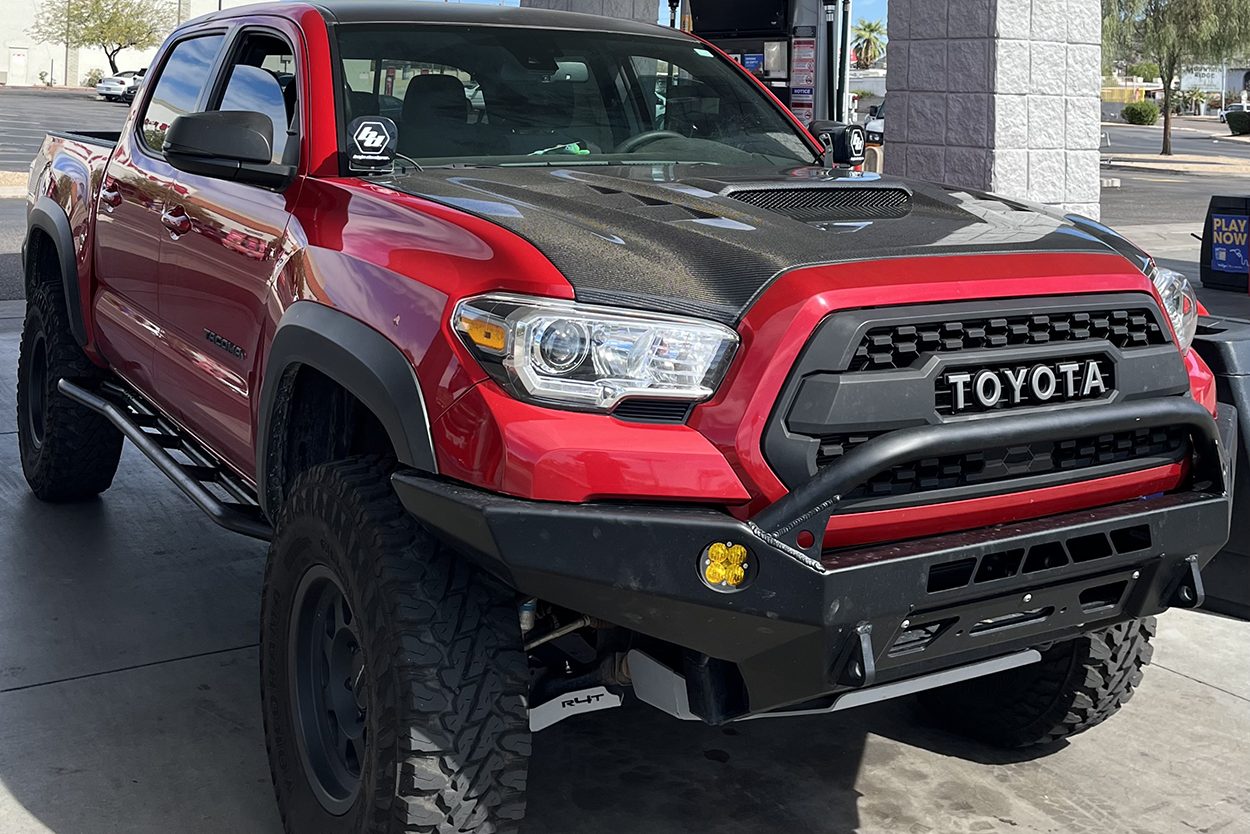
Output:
x,y
808,625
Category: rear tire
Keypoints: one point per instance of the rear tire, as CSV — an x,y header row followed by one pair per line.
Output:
x,y
68,451
393,678
1076,686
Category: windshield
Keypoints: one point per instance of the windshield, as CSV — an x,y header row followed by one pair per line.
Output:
x,y
499,96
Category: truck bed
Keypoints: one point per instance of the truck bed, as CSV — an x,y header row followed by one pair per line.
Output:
x,y
103,138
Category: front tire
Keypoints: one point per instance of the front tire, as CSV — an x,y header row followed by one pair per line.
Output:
x,y
1076,686
68,451
393,679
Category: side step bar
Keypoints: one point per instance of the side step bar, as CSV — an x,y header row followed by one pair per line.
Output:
x,y
218,492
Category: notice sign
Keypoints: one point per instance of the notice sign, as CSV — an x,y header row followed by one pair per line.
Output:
x,y
803,65
1229,252
803,103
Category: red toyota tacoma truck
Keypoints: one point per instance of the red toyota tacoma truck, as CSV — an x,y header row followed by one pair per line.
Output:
x,y
559,364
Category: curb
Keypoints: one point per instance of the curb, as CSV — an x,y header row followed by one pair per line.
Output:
x,y
11,191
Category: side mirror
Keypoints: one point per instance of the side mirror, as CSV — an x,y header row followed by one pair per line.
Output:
x,y
844,144
873,111
227,145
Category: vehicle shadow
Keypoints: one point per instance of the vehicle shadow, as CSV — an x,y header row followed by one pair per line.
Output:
x,y
636,770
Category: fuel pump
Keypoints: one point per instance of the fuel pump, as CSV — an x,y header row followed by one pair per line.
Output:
x,y
799,48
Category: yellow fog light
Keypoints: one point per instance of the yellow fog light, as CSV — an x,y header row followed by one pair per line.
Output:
x,y
725,566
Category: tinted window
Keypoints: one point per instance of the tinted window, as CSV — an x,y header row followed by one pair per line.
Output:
x,y
495,95
262,80
178,87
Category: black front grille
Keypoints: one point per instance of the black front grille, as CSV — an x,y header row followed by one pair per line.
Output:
x,y
866,373
1147,447
834,446
899,346
832,203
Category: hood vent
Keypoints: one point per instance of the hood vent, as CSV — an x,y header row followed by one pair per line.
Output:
x,y
814,204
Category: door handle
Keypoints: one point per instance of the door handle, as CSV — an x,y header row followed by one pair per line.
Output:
x,y
176,220
110,196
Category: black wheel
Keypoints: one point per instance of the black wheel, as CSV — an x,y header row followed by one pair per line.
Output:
x,y
1077,685
392,673
68,451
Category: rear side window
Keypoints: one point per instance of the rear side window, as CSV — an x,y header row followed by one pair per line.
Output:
x,y
262,80
178,87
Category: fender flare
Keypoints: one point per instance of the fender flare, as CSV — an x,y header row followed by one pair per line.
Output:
x,y
362,361
47,216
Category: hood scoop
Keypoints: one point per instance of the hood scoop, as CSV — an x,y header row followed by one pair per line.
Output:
x,y
822,202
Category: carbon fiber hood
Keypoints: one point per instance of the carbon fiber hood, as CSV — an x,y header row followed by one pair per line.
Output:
x,y
707,240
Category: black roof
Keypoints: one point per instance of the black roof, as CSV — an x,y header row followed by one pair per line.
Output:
x,y
412,11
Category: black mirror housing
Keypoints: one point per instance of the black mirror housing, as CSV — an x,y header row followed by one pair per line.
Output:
x,y
844,144
227,144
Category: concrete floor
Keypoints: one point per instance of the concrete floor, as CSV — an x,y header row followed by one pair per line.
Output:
x,y
128,703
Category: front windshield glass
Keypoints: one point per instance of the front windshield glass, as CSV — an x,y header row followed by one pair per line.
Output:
x,y
514,96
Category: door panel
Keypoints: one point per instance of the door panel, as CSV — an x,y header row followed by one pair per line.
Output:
x,y
215,281
131,228
219,258
128,235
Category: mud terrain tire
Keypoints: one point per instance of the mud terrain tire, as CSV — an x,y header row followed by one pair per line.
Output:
x,y
68,451
429,649
1077,685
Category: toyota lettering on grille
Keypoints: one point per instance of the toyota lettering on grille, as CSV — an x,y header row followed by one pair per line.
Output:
x,y
1026,385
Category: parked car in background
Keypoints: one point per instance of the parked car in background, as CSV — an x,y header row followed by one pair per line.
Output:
x,y
875,126
129,95
1233,108
116,87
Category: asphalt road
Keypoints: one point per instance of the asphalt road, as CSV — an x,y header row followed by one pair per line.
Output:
x,y
1157,197
1189,136
26,115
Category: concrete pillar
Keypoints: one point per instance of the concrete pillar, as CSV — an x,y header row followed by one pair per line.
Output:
x,y
647,11
998,95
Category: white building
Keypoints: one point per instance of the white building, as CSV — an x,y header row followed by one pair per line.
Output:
x,y
23,60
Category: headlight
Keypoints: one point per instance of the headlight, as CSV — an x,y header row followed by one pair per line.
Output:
x,y
1180,302
586,357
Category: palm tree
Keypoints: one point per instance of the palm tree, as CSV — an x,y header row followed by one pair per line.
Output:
x,y
868,41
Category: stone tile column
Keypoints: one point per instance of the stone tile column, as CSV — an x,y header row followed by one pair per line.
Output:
x,y
647,11
998,95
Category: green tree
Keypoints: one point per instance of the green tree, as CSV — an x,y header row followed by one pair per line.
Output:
x,y
868,41
111,25
1146,70
1120,35
1175,33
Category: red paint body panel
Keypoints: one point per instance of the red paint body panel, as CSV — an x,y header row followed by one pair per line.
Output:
x,y
494,441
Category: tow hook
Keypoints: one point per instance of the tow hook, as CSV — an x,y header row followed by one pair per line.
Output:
x,y
1188,591
857,666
